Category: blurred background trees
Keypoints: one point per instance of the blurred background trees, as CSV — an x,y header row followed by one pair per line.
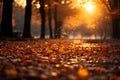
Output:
x,y
61,18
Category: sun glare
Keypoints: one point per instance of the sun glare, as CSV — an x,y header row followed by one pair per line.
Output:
x,y
86,4
89,6
21,3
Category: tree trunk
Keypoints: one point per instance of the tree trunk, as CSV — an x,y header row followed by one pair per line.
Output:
x,y
27,22
58,24
55,21
59,29
42,12
6,25
114,6
115,27
50,21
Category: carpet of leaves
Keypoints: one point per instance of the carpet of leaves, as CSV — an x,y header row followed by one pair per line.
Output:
x,y
59,60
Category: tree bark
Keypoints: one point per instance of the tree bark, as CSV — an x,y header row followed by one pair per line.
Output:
x,y
58,24
115,27
50,21
6,24
27,22
55,21
43,16
114,6
59,29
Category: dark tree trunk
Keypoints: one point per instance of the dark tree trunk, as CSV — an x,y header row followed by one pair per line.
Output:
x,y
115,27
59,28
115,5
58,24
42,12
50,21
55,21
6,25
27,22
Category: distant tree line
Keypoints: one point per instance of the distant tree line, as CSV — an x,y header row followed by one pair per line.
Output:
x,y
6,24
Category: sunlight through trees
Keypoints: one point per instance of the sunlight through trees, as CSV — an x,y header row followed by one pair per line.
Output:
x,y
71,16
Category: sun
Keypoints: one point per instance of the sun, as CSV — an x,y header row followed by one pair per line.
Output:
x,y
89,6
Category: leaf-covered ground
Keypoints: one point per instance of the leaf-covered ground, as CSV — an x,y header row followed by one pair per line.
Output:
x,y
59,60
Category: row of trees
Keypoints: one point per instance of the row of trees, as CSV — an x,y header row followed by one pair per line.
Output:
x,y
6,24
